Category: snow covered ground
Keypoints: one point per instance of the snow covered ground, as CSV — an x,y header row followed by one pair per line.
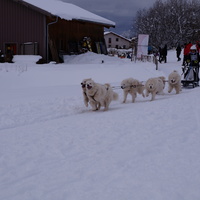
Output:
x,y
54,148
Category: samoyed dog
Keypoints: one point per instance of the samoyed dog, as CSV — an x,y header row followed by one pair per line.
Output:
x,y
100,95
83,86
132,86
86,100
154,86
174,82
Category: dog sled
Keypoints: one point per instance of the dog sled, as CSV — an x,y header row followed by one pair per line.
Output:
x,y
191,76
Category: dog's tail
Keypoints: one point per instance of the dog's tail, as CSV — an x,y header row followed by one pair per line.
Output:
x,y
115,96
163,80
141,89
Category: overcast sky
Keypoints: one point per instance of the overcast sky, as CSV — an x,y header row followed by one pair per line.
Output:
x,y
119,11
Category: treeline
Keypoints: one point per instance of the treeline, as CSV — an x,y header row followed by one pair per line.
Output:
x,y
169,22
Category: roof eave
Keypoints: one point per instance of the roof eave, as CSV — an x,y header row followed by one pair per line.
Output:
x,y
95,22
107,25
28,5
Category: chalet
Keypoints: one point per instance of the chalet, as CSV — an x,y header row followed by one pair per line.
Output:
x,y
114,40
49,28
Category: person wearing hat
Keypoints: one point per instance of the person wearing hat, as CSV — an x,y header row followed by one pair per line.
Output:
x,y
178,52
193,60
193,57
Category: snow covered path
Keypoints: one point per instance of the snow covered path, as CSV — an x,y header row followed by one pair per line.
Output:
x,y
52,147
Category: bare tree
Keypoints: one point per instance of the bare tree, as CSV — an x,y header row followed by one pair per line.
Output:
x,y
170,22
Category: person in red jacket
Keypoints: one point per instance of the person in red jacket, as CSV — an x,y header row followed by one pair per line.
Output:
x,y
186,52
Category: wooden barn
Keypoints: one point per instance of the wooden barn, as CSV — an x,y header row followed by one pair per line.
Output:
x,y
49,28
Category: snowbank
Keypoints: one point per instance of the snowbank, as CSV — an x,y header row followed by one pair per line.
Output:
x,y
93,58
26,59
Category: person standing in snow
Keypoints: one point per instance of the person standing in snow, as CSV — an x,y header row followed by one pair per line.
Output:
x,y
164,51
178,52
160,54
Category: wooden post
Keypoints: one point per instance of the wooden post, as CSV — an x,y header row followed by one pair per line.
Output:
x,y
54,51
156,62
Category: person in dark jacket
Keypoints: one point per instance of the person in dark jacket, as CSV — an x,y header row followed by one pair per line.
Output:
x,y
193,61
178,52
160,54
164,51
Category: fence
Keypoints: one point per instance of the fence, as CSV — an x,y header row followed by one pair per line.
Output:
x,y
149,58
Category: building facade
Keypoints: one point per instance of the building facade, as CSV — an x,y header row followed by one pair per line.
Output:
x,y
114,40
27,29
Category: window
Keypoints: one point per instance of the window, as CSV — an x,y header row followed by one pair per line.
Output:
x,y
117,39
11,48
109,40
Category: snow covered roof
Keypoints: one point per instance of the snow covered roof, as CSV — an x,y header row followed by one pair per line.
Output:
x,y
68,11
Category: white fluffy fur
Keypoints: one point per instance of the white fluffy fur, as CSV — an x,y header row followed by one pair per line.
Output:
x,y
174,82
86,100
85,97
132,86
99,94
154,86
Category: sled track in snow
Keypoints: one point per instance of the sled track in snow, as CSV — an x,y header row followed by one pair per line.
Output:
x,y
12,116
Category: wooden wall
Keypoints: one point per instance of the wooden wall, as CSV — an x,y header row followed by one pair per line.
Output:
x,y
66,32
20,24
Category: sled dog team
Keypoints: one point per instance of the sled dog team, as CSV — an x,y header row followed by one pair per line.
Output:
x,y
101,95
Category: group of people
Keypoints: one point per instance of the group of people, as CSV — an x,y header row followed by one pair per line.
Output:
x,y
191,56
191,53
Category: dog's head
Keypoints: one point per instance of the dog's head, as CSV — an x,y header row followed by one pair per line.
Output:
x,y
90,84
135,84
83,83
174,78
123,86
126,83
150,84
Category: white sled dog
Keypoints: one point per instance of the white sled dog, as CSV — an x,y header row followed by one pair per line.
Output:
x,y
85,97
174,82
154,86
99,94
132,86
